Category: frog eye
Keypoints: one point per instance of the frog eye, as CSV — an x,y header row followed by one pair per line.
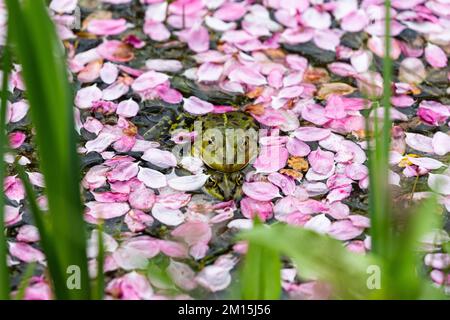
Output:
x,y
212,181
239,179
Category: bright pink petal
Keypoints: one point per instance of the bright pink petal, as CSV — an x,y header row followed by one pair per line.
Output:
x,y
262,191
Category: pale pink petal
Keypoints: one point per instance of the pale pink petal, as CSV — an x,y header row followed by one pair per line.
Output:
x,y
344,230
209,72
412,70
297,147
86,96
321,162
230,11
63,6
251,208
441,143
161,158
12,215
316,19
142,198
182,275
439,183
157,31
188,183
18,110
28,233
26,253
174,200
435,56
271,159
310,134
326,39
427,163
339,210
197,38
137,220
152,178
247,75
115,91
123,172
127,108
356,171
402,101
419,142
170,217
361,60
109,73
355,21
342,69
262,191
149,80
132,286
197,106
285,183
100,210
164,65
438,260
107,27
376,45
319,223
173,249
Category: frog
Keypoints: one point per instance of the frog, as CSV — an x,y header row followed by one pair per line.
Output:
x,y
227,144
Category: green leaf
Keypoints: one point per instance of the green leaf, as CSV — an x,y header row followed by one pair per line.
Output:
x,y
41,55
260,276
4,270
317,257
157,273
100,284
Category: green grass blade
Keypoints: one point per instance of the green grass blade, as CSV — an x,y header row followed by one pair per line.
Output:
x,y
407,283
380,202
260,276
318,257
4,270
44,71
25,281
47,242
100,284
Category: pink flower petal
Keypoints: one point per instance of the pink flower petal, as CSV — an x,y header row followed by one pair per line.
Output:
x,y
262,191
26,253
271,159
310,134
86,96
188,183
251,208
356,171
107,27
157,31
100,210
170,217
152,178
161,158
427,163
433,112
344,230
419,142
439,183
355,21
149,80
435,56
441,143
127,108
109,73
248,76
142,198
297,147
197,106
321,162
209,72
